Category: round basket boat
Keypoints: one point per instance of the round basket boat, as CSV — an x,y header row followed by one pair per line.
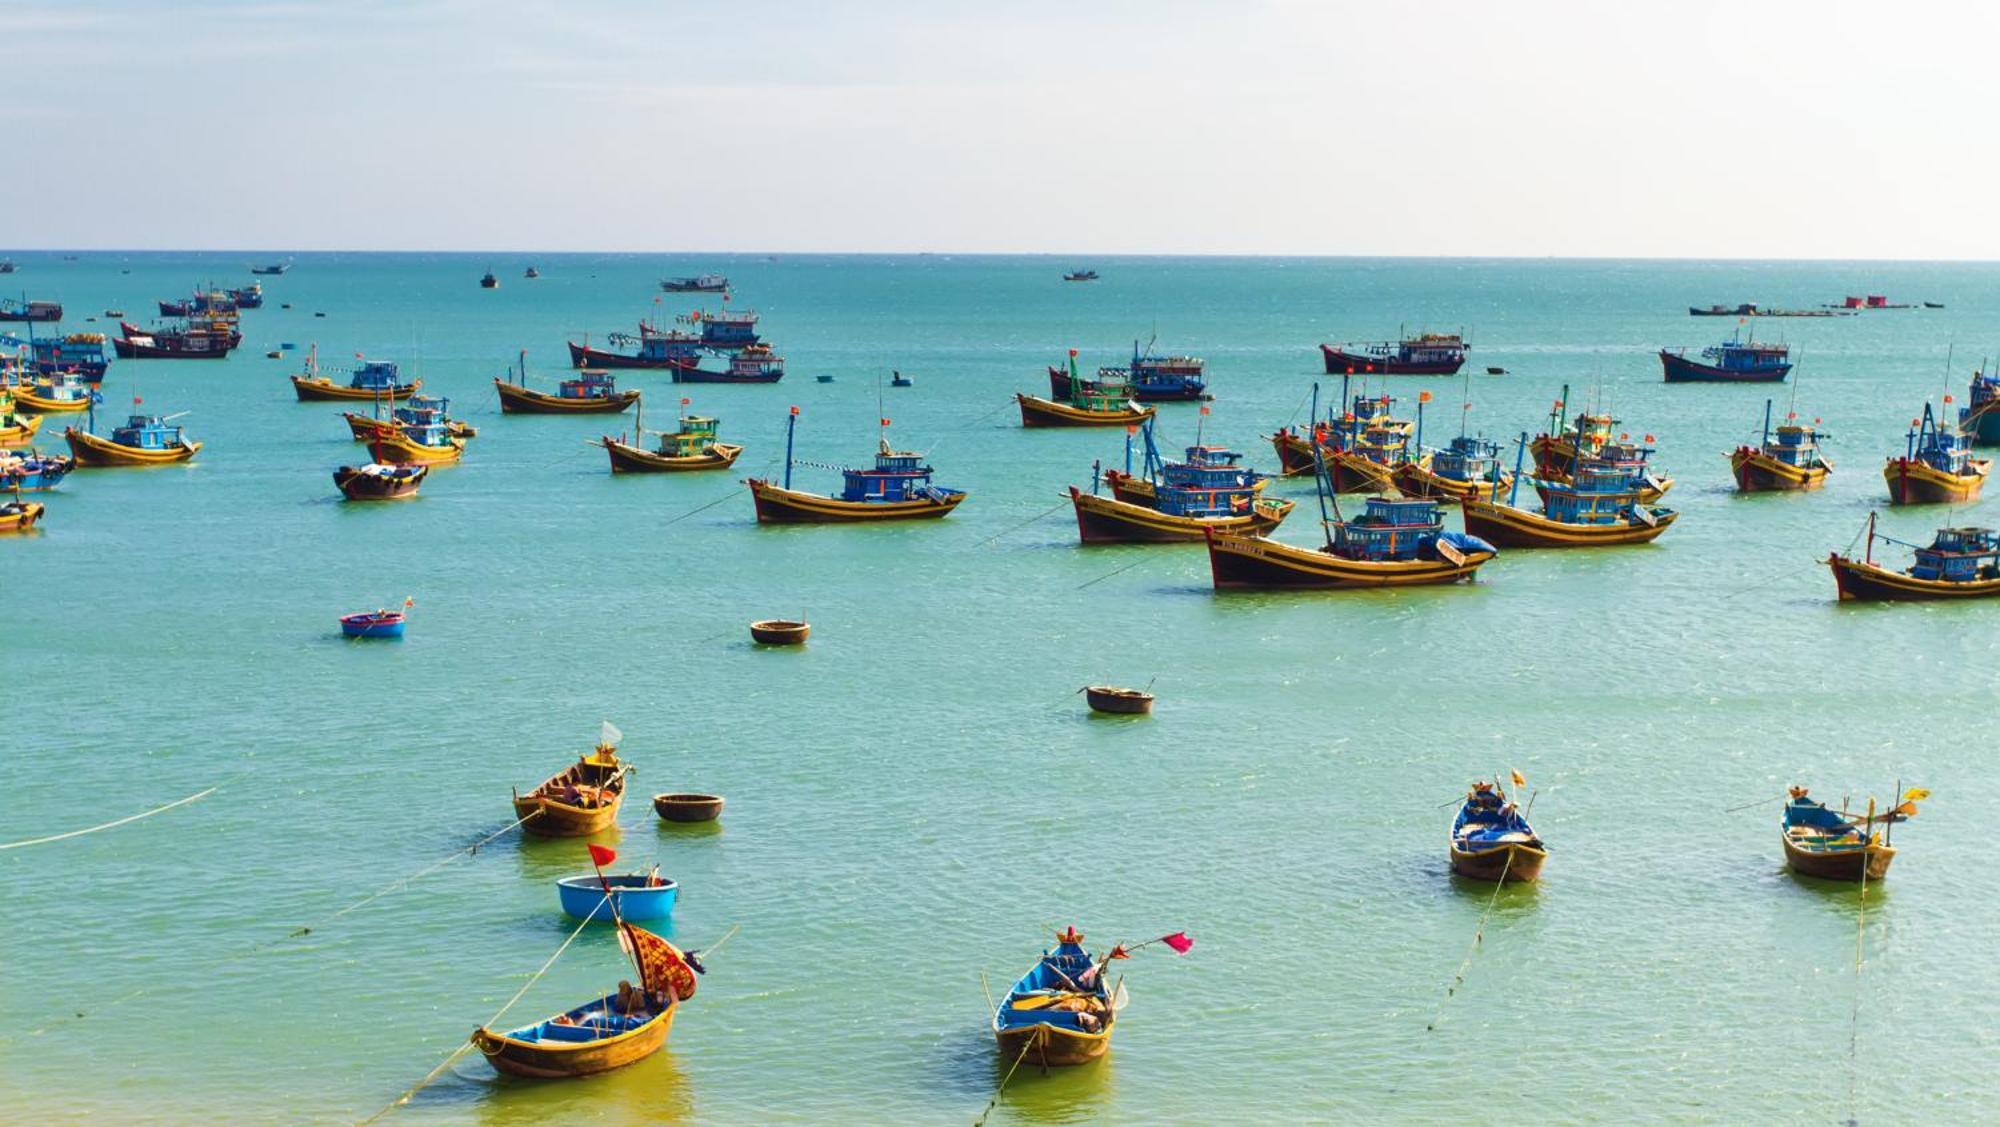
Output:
x,y
688,807
1123,702
779,632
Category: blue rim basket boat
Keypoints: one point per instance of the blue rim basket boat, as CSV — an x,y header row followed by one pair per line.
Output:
x,y
373,624
632,896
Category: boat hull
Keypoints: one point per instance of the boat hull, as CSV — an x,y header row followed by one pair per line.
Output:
x,y
396,448
358,486
1118,702
323,390
1250,563
1052,1046
133,350
30,403
1353,473
557,1061
1106,520
517,400
1508,863
1340,362
1295,453
777,505
583,356
1861,581
1871,860
1680,369
1912,482
1416,480
20,434
631,898
91,450
551,818
363,626
688,807
1758,472
693,374
21,519
1037,412
626,458
1509,527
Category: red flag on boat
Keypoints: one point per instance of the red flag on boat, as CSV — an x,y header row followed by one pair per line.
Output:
x,y
795,411
1072,353
1130,429
1204,408
407,603
1649,438
1118,951
1423,397
602,855
1179,941
136,401
685,401
885,422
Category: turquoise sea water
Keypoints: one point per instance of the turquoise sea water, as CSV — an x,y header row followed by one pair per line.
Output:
x,y
917,798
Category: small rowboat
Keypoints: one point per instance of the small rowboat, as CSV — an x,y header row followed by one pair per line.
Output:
x,y
19,516
1123,702
605,1033
1492,841
374,624
633,897
1053,1017
687,806
581,800
779,632
378,482
1836,845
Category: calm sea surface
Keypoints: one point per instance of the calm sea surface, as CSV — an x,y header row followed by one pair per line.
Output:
x,y
917,799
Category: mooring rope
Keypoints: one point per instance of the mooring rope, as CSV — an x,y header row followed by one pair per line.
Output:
x,y
111,825
1854,1018
1478,936
1001,1090
402,882
1118,571
704,508
1007,532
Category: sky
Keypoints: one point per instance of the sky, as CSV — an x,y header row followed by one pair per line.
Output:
x,y
1292,127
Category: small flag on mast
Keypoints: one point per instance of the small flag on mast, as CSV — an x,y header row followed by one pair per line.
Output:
x,y
602,855
608,733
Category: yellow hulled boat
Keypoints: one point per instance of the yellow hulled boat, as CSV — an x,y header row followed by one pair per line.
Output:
x,y
61,393
1091,409
374,379
1107,520
15,429
1937,467
144,440
897,487
19,516
593,392
691,448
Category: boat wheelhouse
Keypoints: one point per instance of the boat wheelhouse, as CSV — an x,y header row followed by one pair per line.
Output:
x,y
727,330
1732,361
1937,466
82,353
1791,462
1427,354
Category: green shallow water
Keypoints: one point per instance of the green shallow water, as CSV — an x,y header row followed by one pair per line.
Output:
x,y
917,798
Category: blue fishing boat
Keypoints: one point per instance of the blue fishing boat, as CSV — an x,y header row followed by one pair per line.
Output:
x,y
1491,839
58,393
1395,542
82,353
653,347
1841,844
1176,501
1980,419
726,331
1959,563
1469,465
897,487
1793,462
1937,466
1602,505
1732,361
144,440
32,472
1149,378
374,624
1061,1011
248,297
638,896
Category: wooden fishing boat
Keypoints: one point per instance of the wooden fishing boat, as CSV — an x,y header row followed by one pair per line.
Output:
x,y
688,806
372,379
33,471
1600,508
1793,462
378,482
1491,840
1979,419
1060,1012
374,624
1150,378
1620,454
751,364
1839,845
594,393
1937,466
1428,354
693,447
1088,410
25,310
1557,448
1117,701
1295,450
1396,542
779,632
200,339
700,283
144,440
1959,563
605,1033
422,444
19,516
583,799
1468,467
489,281
415,410
897,487
16,429
634,896
59,393
1732,361
1358,450
1176,501
655,348
80,353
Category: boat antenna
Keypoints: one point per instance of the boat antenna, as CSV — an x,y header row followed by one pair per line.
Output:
x,y
791,424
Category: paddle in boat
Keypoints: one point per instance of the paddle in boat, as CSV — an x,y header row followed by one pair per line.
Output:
x,y
1792,462
1176,501
382,623
1491,839
1959,563
372,379
1467,466
1937,466
33,471
1841,845
1602,507
1062,1012
692,447
582,799
19,516
377,481
58,393
16,429
144,440
1732,361
593,392
897,487
609,1032
1101,404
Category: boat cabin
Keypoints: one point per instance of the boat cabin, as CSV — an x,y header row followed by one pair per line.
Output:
x,y
1959,555
147,432
1468,458
667,345
728,329
591,383
756,361
1390,528
77,352
1946,450
1748,357
431,431
898,475
375,375
1166,375
1796,446
1603,492
1213,482
696,437
64,387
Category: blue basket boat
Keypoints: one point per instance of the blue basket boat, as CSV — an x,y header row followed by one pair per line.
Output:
x,y
634,896
374,624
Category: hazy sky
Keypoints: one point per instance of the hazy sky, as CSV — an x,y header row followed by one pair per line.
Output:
x,y
1673,128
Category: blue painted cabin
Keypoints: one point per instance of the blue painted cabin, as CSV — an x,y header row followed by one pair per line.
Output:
x,y
728,330
1600,492
1394,529
1469,459
82,353
1959,555
376,375
1936,446
148,432
1981,418
898,475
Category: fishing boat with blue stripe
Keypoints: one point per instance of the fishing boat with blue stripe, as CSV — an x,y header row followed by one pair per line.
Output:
x,y
1491,839
1469,465
700,283
1842,844
1791,463
592,392
1427,354
1601,507
371,379
1733,361
897,487
415,410
1098,403
59,393
753,363
82,354
144,440
653,348
25,310
1176,501
1958,563
1937,466
1395,542
33,472
693,446
427,442
1358,451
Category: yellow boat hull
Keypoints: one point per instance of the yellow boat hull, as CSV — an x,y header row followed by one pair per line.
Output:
x,y
91,450
1037,412
1509,527
626,458
26,399
1758,472
555,1060
777,505
1914,483
1254,563
1862,581
1416,480
21,433
23,520
1052,1046
321,389
518,400
396,447
1107,520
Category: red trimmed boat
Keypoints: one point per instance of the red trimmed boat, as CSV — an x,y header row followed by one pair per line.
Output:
x,y
197,340
1732,361
1428,354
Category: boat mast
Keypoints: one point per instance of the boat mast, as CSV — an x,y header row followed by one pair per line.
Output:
x,y
1767,424
791,424
1520,453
